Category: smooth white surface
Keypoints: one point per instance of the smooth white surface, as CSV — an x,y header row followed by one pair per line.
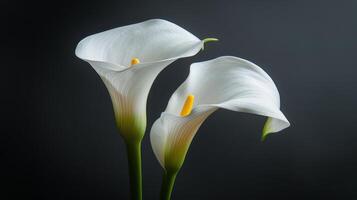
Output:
x,y
156,43
226,82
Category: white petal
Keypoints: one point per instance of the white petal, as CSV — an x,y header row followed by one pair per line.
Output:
x,y
150,41
156,43
226,82
128,90
234,84
171,136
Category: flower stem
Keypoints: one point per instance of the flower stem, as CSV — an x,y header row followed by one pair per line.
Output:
x,y
134,158
167,185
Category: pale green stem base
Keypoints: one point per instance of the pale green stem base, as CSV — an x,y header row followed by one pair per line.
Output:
x,y
134,158
168,182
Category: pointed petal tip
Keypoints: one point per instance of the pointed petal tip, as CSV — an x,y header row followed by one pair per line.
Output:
x,y
269,127
210,40
204,41
266,131
263,138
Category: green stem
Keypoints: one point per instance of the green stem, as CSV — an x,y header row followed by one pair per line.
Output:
x,y
167,185
134,158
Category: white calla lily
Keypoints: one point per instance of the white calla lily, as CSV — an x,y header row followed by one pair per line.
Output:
x,y
226,82
128,59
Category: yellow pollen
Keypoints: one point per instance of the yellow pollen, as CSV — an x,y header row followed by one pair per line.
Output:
x,y
135,61
187,107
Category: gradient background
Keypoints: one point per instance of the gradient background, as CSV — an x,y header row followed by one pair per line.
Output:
x,y
59,140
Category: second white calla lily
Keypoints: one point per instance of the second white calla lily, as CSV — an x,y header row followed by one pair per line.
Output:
x,y
226,82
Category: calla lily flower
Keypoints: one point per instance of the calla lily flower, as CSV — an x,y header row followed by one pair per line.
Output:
x,y
226,82
128,59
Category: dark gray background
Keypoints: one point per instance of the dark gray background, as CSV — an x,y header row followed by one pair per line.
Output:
x,y
59,140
